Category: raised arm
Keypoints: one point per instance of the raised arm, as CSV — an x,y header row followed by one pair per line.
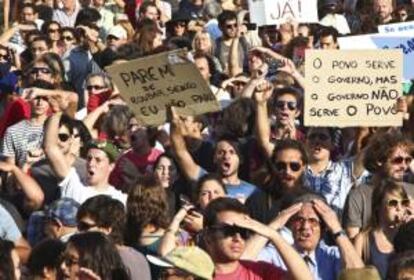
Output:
x,y
54,154
257,242
349,256
297,268
185,160
262,95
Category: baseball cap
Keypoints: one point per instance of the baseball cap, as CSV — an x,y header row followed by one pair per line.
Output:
x,y
190,259
118,31
64,210
106,146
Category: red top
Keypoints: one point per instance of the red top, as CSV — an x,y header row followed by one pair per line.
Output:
x,y
249,270
15,111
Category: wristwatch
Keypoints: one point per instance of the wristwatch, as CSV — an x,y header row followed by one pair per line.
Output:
x,y
338,234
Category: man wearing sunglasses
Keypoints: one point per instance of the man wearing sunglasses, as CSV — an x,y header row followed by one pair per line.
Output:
x,y
100,159
227,227
388,156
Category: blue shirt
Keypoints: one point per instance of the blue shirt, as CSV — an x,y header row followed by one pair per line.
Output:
x,y
241,191
324,263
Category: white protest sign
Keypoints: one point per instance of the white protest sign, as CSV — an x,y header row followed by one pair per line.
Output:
x,y
402,28
380,41
352,88
271,12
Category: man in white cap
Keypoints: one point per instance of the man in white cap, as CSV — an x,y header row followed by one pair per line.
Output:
x,y
117,36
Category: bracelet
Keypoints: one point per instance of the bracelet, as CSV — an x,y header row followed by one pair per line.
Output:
x,y
338,234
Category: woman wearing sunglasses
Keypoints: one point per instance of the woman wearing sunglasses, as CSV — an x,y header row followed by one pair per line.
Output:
x,y
68,39
52,30
390,209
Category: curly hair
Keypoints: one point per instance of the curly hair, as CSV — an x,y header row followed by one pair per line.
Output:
x,y
380,148
146,205
99,254
6,261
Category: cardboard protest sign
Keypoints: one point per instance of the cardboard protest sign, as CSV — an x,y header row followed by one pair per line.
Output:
x,y
380,41
402,28
352,88
152,83
271,12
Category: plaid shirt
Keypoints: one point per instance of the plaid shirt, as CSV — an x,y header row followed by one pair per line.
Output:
x,y
334,183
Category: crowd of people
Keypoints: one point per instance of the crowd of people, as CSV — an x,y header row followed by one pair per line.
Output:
x,y
88,190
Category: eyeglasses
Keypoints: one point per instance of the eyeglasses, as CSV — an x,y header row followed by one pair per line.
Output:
x,y
83,226
393,203
94,87
318,136
228,231
43,70
67,38
281,166
300,221
53,31
291,105
63,137
231,26
400,160
111,37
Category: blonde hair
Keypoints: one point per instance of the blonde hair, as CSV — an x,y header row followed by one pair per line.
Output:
x,y
197,36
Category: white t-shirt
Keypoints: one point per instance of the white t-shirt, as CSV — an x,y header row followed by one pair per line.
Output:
x,y
73,187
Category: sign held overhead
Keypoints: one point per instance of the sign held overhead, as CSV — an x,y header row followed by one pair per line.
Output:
x,y
352,88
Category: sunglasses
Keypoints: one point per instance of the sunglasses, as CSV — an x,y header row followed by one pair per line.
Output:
x,y
228,231
4,56
44,98
231,26
94,87
281,166
63,137
67,38
291,105
111,37
393,203
318,136
300,221
82,226
181,24
43,70
400,160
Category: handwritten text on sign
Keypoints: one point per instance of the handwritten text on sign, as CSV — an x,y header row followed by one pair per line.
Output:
x,y
353,88
151,84
269,12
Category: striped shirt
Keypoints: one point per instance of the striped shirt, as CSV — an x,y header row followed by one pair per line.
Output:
x,y
20,138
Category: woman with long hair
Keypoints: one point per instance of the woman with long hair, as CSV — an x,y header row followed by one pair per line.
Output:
x,y
49,68
389,210
92,253
149,37
203,44
52,29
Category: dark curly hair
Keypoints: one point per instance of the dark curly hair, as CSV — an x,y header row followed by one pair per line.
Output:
x,y
99,254
146,205
380,148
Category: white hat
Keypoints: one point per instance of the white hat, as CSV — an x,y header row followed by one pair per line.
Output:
x,y
118,31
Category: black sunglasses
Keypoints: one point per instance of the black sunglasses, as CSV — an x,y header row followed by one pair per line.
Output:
x,y
63,137
400,160
82,226
283,166
67,38
291,105
228,231
4,56
318,136
94,87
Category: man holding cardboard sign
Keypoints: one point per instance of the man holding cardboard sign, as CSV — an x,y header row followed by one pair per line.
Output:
x,y
150,84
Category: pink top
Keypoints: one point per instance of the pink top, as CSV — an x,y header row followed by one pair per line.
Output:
x,y
248,270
